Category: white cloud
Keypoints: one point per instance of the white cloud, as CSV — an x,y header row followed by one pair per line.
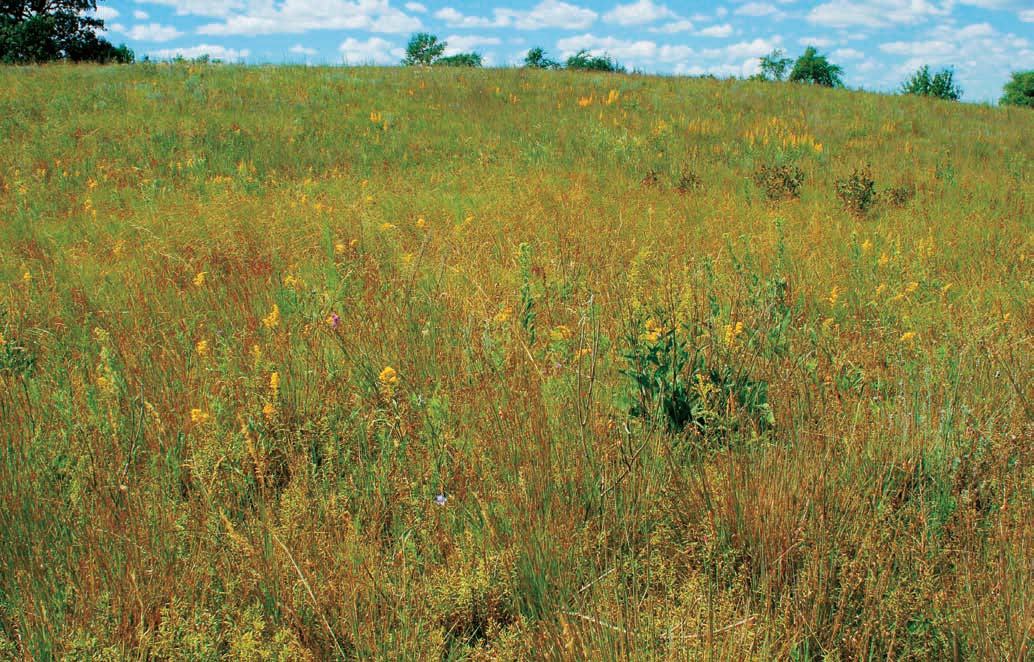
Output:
x,y
875,13
848,54
294,16
1027,16
721,12
416,7
455,19
817,42
105,13
546,14
372,51
303,50
141,15
719,31
214,8
550,14
756,9
211,50
153,32
980,56
468,43
674,27
626,52
638,13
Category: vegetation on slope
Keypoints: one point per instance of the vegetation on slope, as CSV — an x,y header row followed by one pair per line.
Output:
x,y
456,364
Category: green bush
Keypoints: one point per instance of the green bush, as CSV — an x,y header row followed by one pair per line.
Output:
x,y
816,69
1020,90
940,86
583,61
780,181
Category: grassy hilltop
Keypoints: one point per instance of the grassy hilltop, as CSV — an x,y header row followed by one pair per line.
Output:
x,y
320,363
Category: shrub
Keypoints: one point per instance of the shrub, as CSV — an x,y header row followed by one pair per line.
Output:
x,y
816,69
423,49
536,59
583,61
1020,90
780,181
773,66
857,192
459,60
680,387
940,86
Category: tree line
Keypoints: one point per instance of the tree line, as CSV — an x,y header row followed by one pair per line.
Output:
x,y
35,31
810,68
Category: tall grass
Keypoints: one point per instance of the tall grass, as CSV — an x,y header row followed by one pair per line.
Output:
x,y
208,270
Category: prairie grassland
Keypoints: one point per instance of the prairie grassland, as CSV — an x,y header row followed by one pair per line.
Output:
x,y
374,364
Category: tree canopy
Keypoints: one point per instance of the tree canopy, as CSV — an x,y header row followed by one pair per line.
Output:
x,y
536,59
816,69
1020,90
940,85
33,31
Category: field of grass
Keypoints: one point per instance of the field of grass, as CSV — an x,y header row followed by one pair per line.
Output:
x,y
407,364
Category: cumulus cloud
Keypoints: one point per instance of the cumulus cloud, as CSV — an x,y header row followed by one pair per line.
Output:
x,y
213,51
757,9
467,43
546,14
848,54
719,31
876,13
972,51
1027,16
152,32
674,27
416,8
370,51
105,13
141,15
294,16
302,50
638,13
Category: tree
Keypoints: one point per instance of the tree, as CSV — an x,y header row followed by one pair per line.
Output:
x,y
1020,90
33,31
422,49
536,59
583,61
773,66
459,60
940,86
815,69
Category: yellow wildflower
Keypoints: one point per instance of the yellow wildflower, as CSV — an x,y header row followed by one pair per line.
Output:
x,y
27,277
406,258
387,226
339,249
884,259
503,315
866,246
653,330
420,223
911,287
834,295
268,410
199,279
908,336
732,333
198,417
202,348
272,320
388,376
274,382
561,332
292,282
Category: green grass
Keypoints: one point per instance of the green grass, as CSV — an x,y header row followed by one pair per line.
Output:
x,y
206,271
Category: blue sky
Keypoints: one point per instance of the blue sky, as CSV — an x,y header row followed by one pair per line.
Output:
x,y
878,43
